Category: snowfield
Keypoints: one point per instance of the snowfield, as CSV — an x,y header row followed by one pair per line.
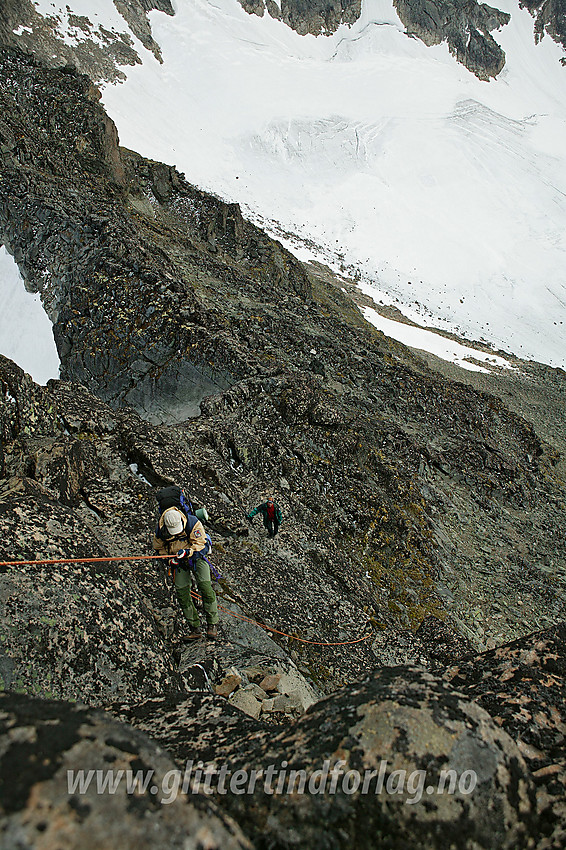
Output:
x,y
373,153
26,334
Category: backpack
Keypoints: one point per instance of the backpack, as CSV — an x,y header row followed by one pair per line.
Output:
x,y
176,497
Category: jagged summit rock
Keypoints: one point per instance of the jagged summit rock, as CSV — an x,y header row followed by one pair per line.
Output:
x,y
466,28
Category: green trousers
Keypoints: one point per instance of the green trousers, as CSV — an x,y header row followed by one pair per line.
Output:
x,y
204,584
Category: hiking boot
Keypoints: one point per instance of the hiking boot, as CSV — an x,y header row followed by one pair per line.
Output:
x,y
211,632
194,634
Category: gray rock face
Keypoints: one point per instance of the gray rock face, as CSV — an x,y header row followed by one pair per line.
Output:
x,y
77,631
81,631
465,26
89,47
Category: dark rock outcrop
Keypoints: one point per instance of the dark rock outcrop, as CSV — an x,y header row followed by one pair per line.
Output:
x,y
550,17
466,27
135,12
195,727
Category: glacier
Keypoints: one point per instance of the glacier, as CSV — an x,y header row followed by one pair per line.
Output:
x,y
443,194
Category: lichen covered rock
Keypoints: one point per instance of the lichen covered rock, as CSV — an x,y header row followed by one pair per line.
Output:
x,y
523,686
67,777
379,750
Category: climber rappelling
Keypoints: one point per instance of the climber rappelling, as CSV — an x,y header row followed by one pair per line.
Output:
x,y
180,533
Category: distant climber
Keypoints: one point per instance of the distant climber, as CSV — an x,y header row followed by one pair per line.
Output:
x,y
185,538
271,513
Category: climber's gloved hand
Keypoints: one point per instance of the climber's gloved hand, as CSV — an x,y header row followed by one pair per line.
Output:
x,y
179,558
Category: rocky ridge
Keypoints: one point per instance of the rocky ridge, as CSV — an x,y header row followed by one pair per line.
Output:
x,y
107,235
162,295
73,39
466,27
422,518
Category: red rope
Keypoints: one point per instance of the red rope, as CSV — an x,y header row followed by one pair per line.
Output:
x,y
285,634
84,560
193,594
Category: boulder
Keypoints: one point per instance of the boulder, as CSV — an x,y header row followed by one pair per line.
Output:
x,y
523,686
246,702
270,682
228,685
67,776
399,758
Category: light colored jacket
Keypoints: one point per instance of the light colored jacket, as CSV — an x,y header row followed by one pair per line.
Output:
x,y
192,538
